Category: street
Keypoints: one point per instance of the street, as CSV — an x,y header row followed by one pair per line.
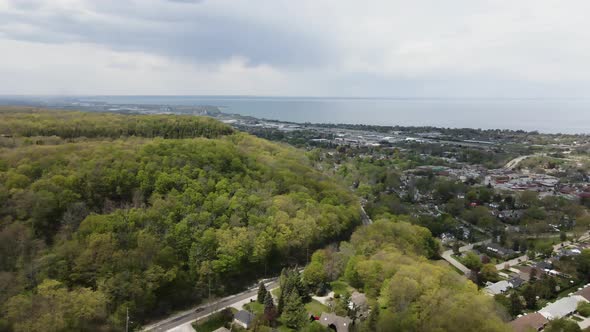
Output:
x,y
205,310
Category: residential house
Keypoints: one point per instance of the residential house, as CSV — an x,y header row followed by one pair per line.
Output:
x,y
499,287
499,251
562,307
244,318
335,322
534,321
526,271
584,292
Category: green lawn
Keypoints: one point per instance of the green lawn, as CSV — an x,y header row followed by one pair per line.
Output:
x,y
254,307
276,292
316,308
212,322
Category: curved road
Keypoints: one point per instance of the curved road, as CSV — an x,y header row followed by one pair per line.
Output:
x,y
447,256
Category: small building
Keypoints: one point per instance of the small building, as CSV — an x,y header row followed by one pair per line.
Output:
x,y
516,282
562,307
499,287
244,318
335,322
534,321
499,251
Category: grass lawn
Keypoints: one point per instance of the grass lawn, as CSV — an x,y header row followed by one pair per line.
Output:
x,y
339,287
276,292
316,308
254,307
212,322
543,241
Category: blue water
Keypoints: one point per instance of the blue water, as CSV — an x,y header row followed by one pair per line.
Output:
x,y
544,115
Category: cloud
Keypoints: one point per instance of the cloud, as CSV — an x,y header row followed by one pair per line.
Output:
x,y
384,48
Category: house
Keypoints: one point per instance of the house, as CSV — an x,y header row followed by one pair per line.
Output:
x,y
499,251
516,282
562,307
498,288
534,321
244,318
544,266
584,292
525,272
335,322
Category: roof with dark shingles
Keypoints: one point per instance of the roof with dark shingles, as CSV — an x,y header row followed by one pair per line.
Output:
x,y
244,316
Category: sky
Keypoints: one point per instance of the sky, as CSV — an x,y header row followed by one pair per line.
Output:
x,y
389,48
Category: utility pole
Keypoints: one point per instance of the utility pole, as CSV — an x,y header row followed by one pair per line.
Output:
x,y
127,321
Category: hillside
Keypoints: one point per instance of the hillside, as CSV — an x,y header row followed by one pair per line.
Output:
x,y
100,213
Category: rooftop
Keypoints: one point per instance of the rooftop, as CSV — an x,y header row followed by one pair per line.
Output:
x,y
341,324
244,316
498,287
562,307
584,292
531,321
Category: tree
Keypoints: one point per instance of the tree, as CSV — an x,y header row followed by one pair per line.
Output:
x,y
530,296
545,248
315,273
270,311
562,325
583,264
584,309
294,314
533,275
261,292
515,305
472,261
489,272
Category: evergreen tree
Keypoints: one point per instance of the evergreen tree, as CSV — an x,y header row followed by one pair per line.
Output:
x,y
530,296
261,292
270,312
294,314
515,305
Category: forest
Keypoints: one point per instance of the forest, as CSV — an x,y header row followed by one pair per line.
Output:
x,y
391,261
104,213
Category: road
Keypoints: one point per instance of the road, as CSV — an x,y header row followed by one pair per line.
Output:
x,y
447,255
556,247
205,310
512,163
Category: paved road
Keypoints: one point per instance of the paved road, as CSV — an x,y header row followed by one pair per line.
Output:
x,y
524,258
512,262
205,310
447,255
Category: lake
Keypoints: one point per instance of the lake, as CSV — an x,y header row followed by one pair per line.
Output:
x,y
544,115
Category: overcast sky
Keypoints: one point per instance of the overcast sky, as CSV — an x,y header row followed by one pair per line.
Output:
x,y
418,48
